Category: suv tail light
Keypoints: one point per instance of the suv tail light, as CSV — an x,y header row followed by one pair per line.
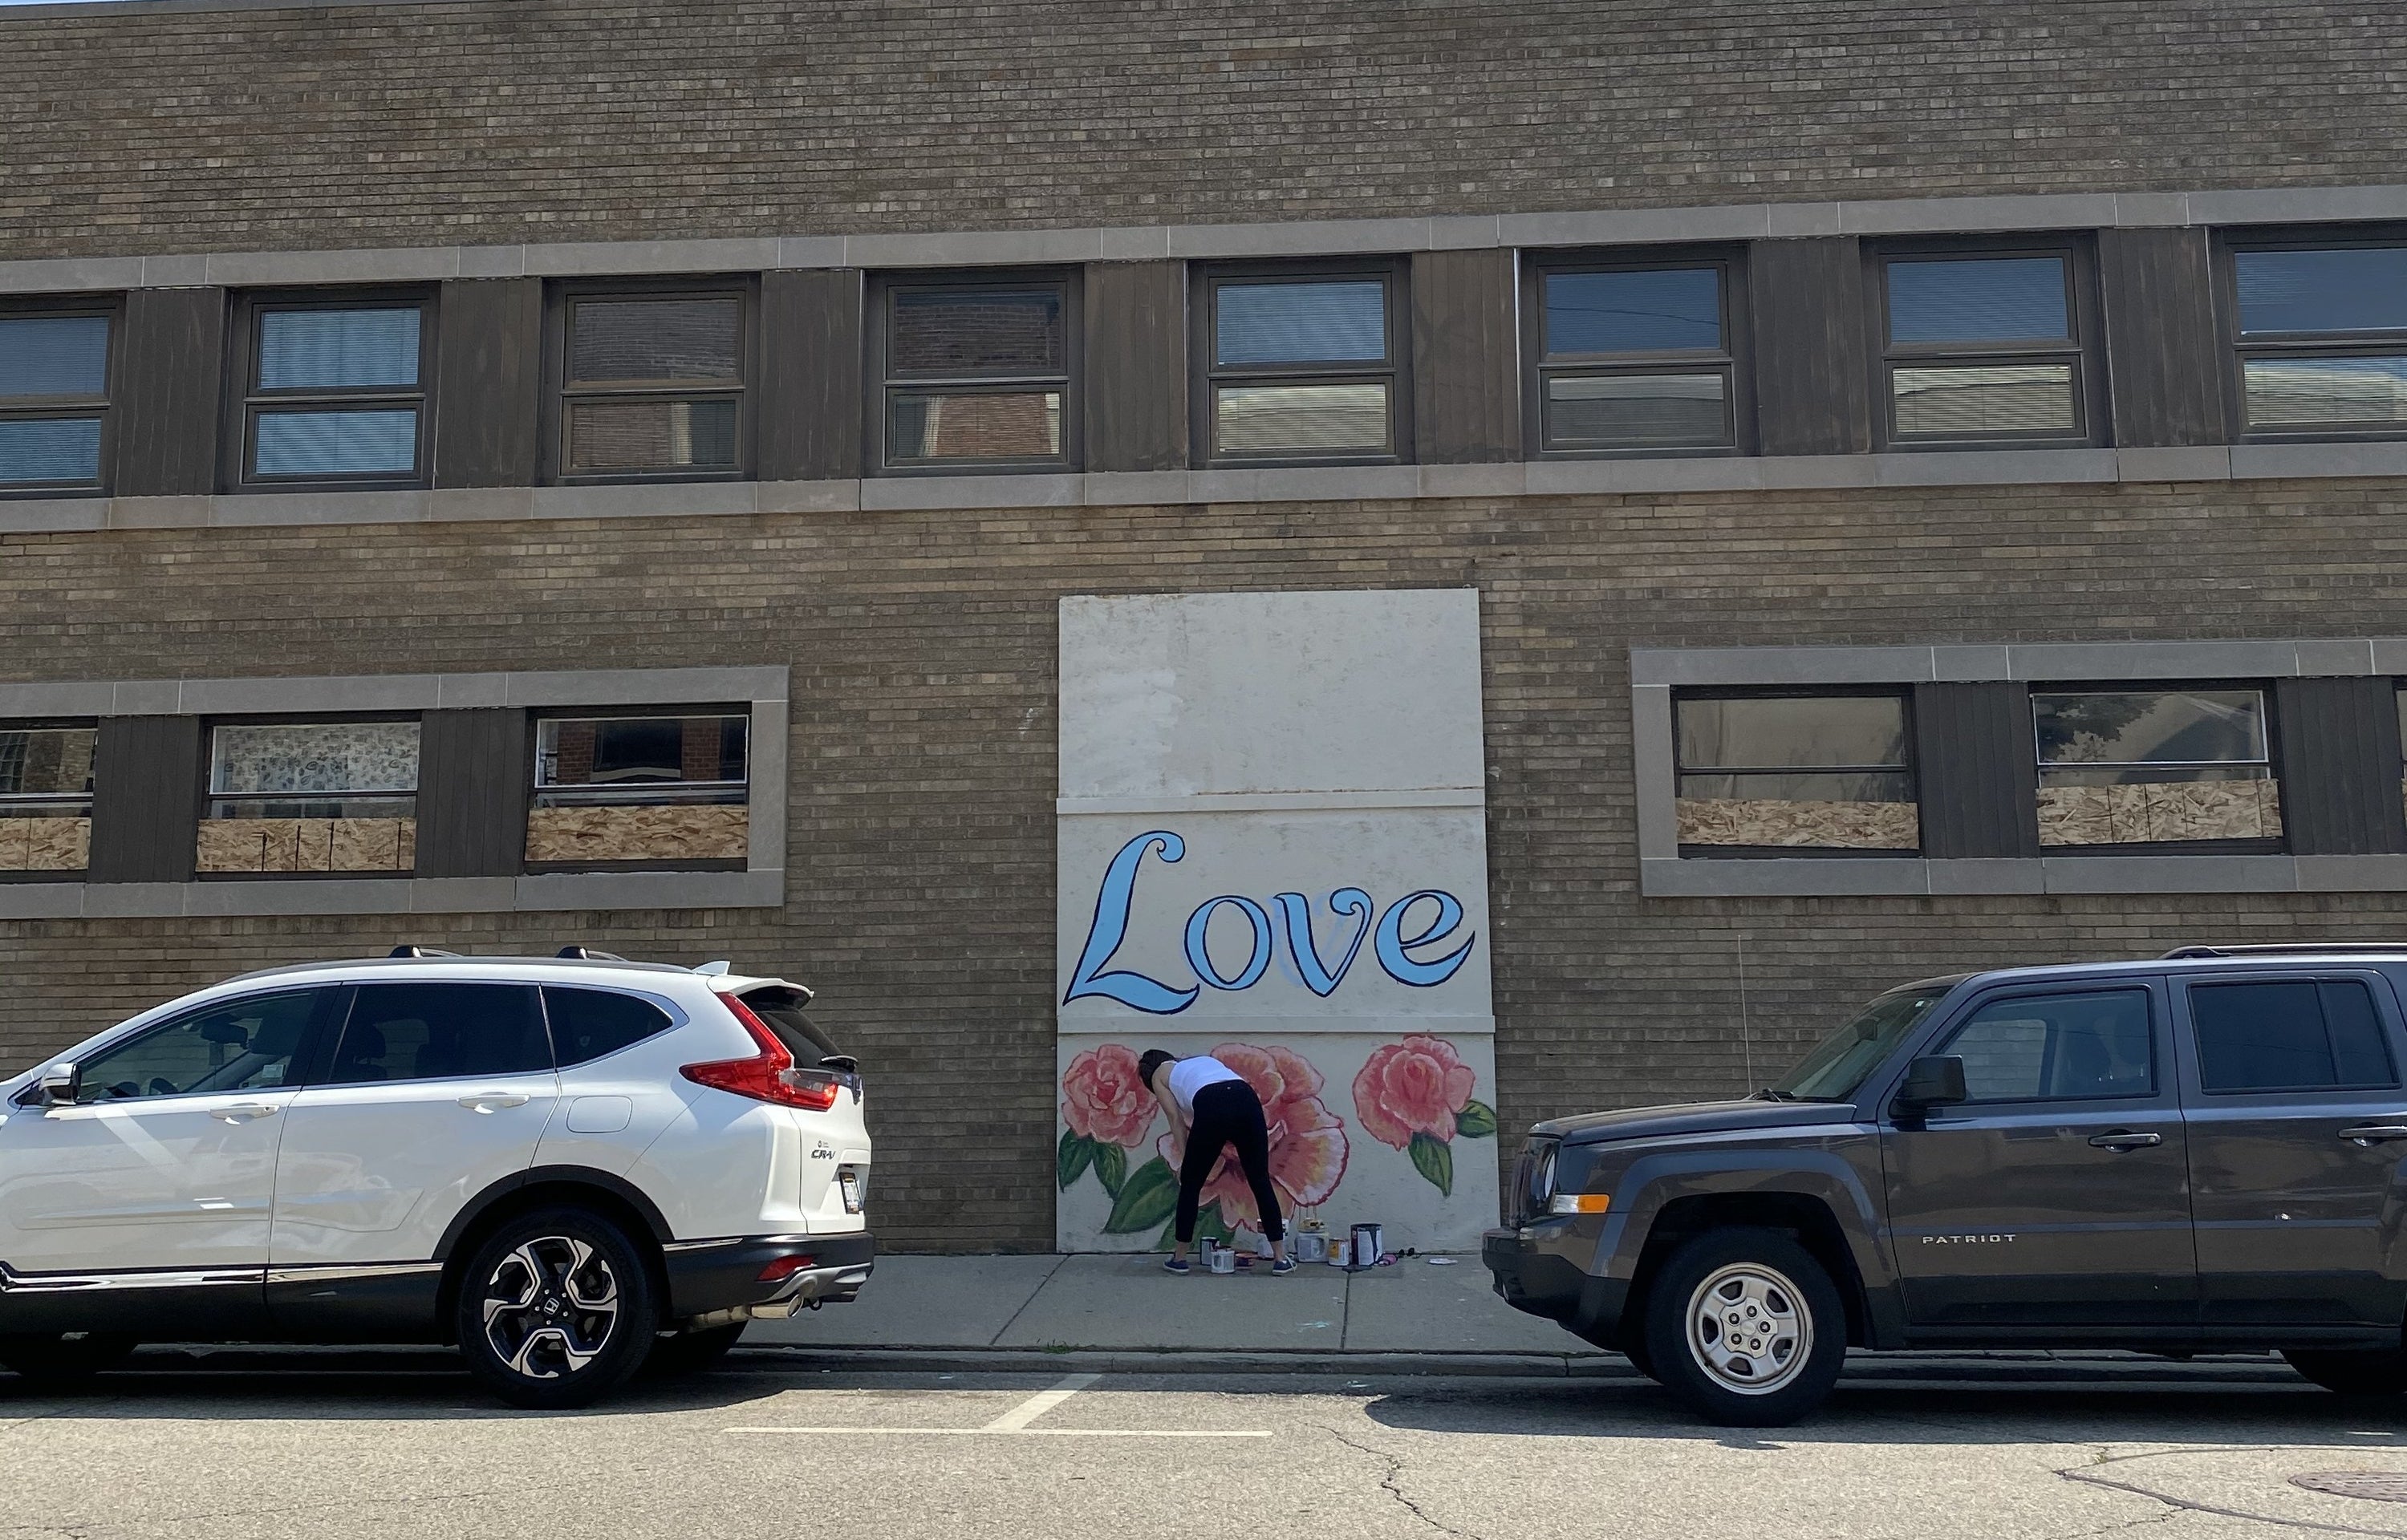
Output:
x,y
770,1074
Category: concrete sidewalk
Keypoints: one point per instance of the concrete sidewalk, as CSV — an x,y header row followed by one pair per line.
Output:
x,y
1127,1303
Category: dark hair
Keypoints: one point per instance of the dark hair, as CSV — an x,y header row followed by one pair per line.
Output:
x,y
1151,1060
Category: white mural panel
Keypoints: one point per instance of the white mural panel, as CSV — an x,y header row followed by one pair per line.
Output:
x,y
1273,848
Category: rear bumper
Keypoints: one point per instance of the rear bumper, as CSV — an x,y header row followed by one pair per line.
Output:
x,y
1533,1275
723,1278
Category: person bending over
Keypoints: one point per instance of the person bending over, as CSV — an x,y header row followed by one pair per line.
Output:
x,y
1211,1109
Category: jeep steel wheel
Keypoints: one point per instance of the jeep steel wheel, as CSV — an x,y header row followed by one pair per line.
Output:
x,y
1745,1327
556,1310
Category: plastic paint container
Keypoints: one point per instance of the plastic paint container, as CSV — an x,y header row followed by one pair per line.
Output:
x,y
1224,1260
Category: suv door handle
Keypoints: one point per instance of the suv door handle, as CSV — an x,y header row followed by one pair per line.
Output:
x,y
2124,1140
249,1111
492,1101
2371,1134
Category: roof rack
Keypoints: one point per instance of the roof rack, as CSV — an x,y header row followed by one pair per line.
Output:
x,y
2279,949
409,949
588,954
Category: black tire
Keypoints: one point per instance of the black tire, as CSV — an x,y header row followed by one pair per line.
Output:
x,y
572,1310
691,1352
2366,1371
62,1360
1775,1286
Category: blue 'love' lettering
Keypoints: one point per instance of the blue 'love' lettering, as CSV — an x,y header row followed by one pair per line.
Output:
x,y
1094,977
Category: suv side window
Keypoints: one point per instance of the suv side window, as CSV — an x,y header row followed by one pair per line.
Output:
x,y
2289,1034
438,1032
588,1024
2072,1047
241,1045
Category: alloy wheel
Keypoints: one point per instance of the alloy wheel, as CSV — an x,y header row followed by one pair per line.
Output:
x,y
1750,1329
550,1306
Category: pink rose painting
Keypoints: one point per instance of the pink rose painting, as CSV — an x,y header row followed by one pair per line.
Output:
x,y
1107,1111
1415,1094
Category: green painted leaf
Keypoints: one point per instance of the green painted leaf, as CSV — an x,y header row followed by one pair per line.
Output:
x,y
1434,1159
1111,1168
1070,1162
1476,1120
1145,1199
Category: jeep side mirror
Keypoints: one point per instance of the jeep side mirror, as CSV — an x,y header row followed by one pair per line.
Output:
x,y
58,1086
1935,1080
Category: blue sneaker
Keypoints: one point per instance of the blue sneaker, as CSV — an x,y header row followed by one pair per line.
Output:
x,y
1174,1264
1283,1267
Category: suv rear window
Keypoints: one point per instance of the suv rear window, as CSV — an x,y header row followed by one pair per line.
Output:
x,y
782,1009
2289,1034
587,1023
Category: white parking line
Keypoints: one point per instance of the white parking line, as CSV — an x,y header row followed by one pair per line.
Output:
x,y
1015,1422
1038,1404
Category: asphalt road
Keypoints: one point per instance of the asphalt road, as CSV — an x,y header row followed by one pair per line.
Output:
x,y
265,1445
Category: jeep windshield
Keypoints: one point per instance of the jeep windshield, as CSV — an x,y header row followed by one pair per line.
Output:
x,y
1840,1062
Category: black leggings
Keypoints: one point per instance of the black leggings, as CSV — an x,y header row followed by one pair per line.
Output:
x,y
1228,1113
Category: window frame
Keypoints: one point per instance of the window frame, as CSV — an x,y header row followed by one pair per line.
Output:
x,y
559,395
88,802
1204,283
209,725
1734,361
53,408
2084,351
244,399
333,1005
533,788
880,382
330,1030
2237,349
2385,1011
2273,762
1911,768
2161,1087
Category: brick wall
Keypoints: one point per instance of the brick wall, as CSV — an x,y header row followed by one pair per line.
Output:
x,y
922,654
505,120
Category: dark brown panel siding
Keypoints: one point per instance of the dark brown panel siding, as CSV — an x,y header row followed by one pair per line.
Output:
x,y
1811,375
472,793
145,801
487,383
166,413
1466,357
2162,359
2340,766
1135,385
1974,766
810,395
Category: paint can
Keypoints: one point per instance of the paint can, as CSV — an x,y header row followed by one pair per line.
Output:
x,y
1370,1245
1311,1246
1341,1252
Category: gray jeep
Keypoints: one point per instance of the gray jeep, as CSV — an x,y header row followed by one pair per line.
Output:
x,y
2201,1152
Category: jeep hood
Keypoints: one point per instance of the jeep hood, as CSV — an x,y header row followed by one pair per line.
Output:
x,y
1709,1117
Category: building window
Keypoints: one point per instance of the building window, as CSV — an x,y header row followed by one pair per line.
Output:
x,y
2154,767
1982,347
654,790
54,380
1301,366
976,375
333,391
653,385
1794,773
1635,359
45,798
312,797
2322,339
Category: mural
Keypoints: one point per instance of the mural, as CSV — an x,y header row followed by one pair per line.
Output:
x,y
1273,850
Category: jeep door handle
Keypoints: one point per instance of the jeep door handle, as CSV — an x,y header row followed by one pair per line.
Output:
x,y
2371,1134
243,1112
492,1101
2123,1139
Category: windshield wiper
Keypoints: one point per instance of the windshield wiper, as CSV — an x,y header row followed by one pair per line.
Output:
x,y
1773,1094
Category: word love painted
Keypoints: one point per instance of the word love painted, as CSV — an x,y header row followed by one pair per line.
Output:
x,y
1287,923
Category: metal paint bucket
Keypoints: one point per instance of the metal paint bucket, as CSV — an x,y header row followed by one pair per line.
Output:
x,y
1370,1245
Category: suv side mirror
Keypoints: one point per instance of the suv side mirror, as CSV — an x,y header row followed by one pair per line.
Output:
x,y
57,1087
1935,1080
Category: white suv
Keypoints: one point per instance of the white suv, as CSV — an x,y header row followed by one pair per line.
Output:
x,y
566,1166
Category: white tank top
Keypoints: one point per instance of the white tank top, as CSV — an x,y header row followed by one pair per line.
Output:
x,y
1188,1076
